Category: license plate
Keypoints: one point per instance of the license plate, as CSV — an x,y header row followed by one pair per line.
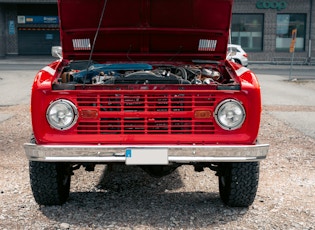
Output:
x,y
146,156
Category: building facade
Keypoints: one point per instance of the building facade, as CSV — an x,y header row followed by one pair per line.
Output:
x,y
264,28
28,27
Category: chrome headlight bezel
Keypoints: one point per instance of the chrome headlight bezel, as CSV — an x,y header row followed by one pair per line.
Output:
x,y
230,114
62,114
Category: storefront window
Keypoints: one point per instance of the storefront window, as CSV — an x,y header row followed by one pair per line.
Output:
x,y
247,31
285,24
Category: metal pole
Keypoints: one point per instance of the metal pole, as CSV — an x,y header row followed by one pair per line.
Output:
x,y
292,58
309,50
310,32
2,33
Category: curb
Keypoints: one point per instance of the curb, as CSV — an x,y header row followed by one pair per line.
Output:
x,y
5,116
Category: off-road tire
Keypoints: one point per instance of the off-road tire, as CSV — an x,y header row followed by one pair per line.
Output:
x,y
50,182
238,183
238,61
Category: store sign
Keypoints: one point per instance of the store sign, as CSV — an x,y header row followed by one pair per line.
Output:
x,y
293,40
277,5
49,36
21,19
11,27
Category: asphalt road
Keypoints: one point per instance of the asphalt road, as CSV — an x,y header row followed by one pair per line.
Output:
x,y
16,78
15,86
301,72
292,101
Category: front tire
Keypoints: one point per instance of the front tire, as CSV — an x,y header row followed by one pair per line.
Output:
x,y
238,61
238,183
50,182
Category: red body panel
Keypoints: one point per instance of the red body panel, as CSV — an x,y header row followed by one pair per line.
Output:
x,y
139,115
152,31
145,30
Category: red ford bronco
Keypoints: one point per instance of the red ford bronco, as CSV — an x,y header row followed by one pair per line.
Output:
x,y
146,83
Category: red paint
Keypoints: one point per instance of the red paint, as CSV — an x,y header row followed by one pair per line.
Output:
x,y
144,31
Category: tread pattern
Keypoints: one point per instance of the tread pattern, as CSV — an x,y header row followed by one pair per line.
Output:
x,y
238,183
50,182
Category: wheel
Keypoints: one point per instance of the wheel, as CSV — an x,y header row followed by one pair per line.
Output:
x,y
50,182
238,183
238,61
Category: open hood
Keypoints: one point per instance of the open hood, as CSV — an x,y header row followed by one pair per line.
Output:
x,y
145,30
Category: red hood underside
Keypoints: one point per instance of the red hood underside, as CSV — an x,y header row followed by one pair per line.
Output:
x,y
145,30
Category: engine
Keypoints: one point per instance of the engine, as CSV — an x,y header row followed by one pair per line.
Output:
x,y
142,73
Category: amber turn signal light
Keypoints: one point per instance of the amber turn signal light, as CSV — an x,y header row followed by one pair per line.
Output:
x,y
89,114
202,114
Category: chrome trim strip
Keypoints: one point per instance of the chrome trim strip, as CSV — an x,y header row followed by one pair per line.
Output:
x,y
116,153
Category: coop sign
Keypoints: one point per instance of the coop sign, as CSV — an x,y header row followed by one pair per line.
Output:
x,y
277,5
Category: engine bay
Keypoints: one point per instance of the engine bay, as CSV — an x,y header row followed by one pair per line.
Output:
x,y
143,74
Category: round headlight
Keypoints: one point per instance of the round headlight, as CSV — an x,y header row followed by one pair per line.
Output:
x,y
62,114
230,114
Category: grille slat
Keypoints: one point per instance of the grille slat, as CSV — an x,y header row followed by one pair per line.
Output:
x,y
146,113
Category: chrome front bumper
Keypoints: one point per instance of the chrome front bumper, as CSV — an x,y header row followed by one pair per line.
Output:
x,y
124,153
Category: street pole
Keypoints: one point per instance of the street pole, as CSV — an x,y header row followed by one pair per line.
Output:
x,y
292,59
292,50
